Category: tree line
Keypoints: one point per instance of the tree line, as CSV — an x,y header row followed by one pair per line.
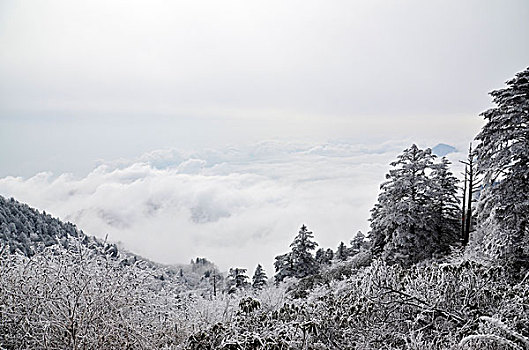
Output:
x,y
419,214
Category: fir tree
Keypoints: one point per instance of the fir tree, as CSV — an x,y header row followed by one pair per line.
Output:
x,y
341,252
299,262
302,258
259,277
410,221
329,255
323,257
284,267
320,256
445,205
358,243
237,279
503,161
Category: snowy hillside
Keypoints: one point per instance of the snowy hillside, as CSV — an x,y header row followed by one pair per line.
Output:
x,y
440,268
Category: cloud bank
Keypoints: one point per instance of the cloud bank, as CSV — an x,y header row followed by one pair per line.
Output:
x,y
235,206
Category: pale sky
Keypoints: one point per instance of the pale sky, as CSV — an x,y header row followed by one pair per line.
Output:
x,y
118,78
84,83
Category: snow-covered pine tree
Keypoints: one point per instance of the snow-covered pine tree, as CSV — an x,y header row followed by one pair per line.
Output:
x,y
259,279
358,243
324,257
341,252
237,279
445,206
284,267
329,255
299,262
302,247
503,161
410,221
320,256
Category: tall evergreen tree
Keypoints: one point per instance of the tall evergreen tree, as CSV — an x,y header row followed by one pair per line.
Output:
x,y
284,266
341,252
237,279
329,255
324,257
302,247
358,243
408,224
503,161
259,277
320,255
299,262
445,205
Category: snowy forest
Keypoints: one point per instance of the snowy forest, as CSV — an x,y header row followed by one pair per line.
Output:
x,y
445,265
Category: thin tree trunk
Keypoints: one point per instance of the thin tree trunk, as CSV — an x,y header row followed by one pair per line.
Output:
x,y
464,236
214,284
470,188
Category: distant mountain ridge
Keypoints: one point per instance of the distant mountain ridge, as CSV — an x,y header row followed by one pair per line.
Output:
x,y
442,149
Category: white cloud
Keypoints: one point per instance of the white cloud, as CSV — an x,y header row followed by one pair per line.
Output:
x,y
235,206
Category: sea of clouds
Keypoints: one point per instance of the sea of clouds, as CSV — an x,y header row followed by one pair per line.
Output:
x,y
237,206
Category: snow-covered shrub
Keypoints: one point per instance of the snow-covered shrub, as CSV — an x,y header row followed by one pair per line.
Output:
x,y
80,299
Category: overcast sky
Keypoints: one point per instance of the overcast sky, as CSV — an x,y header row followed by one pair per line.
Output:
x,y
84,83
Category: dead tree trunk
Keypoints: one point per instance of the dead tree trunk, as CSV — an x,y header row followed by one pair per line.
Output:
x,y
464,236
468,217
471,186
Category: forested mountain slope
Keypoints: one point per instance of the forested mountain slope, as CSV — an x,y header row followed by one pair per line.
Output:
x,y
26,230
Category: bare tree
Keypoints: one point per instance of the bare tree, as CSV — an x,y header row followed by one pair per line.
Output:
x,y
471,187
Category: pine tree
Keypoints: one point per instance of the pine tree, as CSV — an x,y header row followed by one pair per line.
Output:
x,y
320,256
410,221
358,243
303,260
324,257
259,277
341,252
329,255
503,161
398,226
445,205
299,262
237,279
284,266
